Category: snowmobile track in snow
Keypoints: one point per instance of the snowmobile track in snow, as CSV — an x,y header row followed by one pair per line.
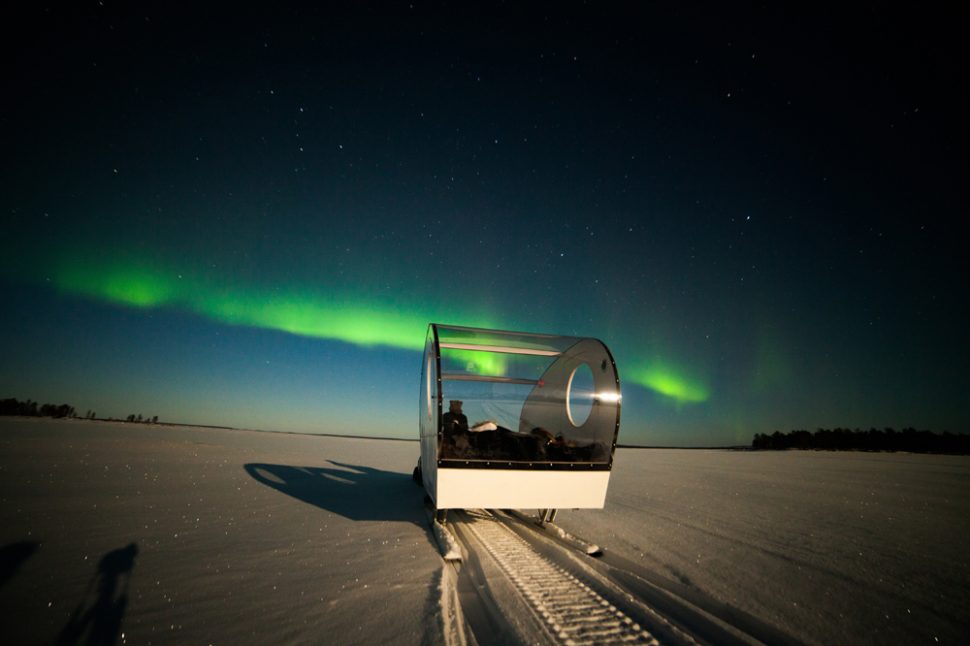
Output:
x,y
570,611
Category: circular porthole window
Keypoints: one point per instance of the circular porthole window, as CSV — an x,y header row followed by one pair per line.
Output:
x,y
579,395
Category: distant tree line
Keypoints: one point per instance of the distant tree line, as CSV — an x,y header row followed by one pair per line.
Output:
x,y
30,408
139,419
843,439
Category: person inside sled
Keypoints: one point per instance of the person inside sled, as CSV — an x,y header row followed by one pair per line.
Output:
x,y
454,420
454,426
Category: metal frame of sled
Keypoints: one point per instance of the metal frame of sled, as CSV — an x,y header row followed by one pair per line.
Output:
x,y
549,408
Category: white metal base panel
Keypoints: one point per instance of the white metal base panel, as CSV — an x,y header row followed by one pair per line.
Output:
x,y
513,489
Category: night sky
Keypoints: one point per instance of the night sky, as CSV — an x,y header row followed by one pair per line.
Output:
x,y
248,217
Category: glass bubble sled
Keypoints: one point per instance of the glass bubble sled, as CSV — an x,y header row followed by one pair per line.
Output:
x,y
538,421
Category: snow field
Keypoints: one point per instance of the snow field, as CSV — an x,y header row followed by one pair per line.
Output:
x,y
214,536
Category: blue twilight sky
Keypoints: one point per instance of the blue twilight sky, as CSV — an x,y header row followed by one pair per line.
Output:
x,y
247,217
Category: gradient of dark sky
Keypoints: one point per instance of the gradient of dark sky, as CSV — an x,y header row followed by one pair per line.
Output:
x,y
758,204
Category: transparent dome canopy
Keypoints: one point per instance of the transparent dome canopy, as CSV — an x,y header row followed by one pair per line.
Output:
x,y
496,399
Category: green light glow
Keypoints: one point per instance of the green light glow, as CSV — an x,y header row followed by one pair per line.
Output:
x,y
670,383
479,363
771,370
355,319
309,313
136,285
315,316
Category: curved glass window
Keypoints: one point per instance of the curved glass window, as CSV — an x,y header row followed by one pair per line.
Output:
x,y
508,398
428,406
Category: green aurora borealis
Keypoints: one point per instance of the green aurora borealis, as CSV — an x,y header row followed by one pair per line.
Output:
x,y
669,383
312,313
303,312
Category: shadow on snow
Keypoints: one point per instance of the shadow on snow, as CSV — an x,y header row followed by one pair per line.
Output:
x,y
96,621
352,491
12,556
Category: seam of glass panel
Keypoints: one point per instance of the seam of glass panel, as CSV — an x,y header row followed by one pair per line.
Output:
x,y
458,328
437,363
445,376
427,377
502,349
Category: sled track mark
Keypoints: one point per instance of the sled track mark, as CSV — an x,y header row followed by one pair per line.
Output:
x,y
569,609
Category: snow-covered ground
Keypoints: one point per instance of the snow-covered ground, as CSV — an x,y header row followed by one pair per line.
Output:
x,y
829,547
339,555
164,534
